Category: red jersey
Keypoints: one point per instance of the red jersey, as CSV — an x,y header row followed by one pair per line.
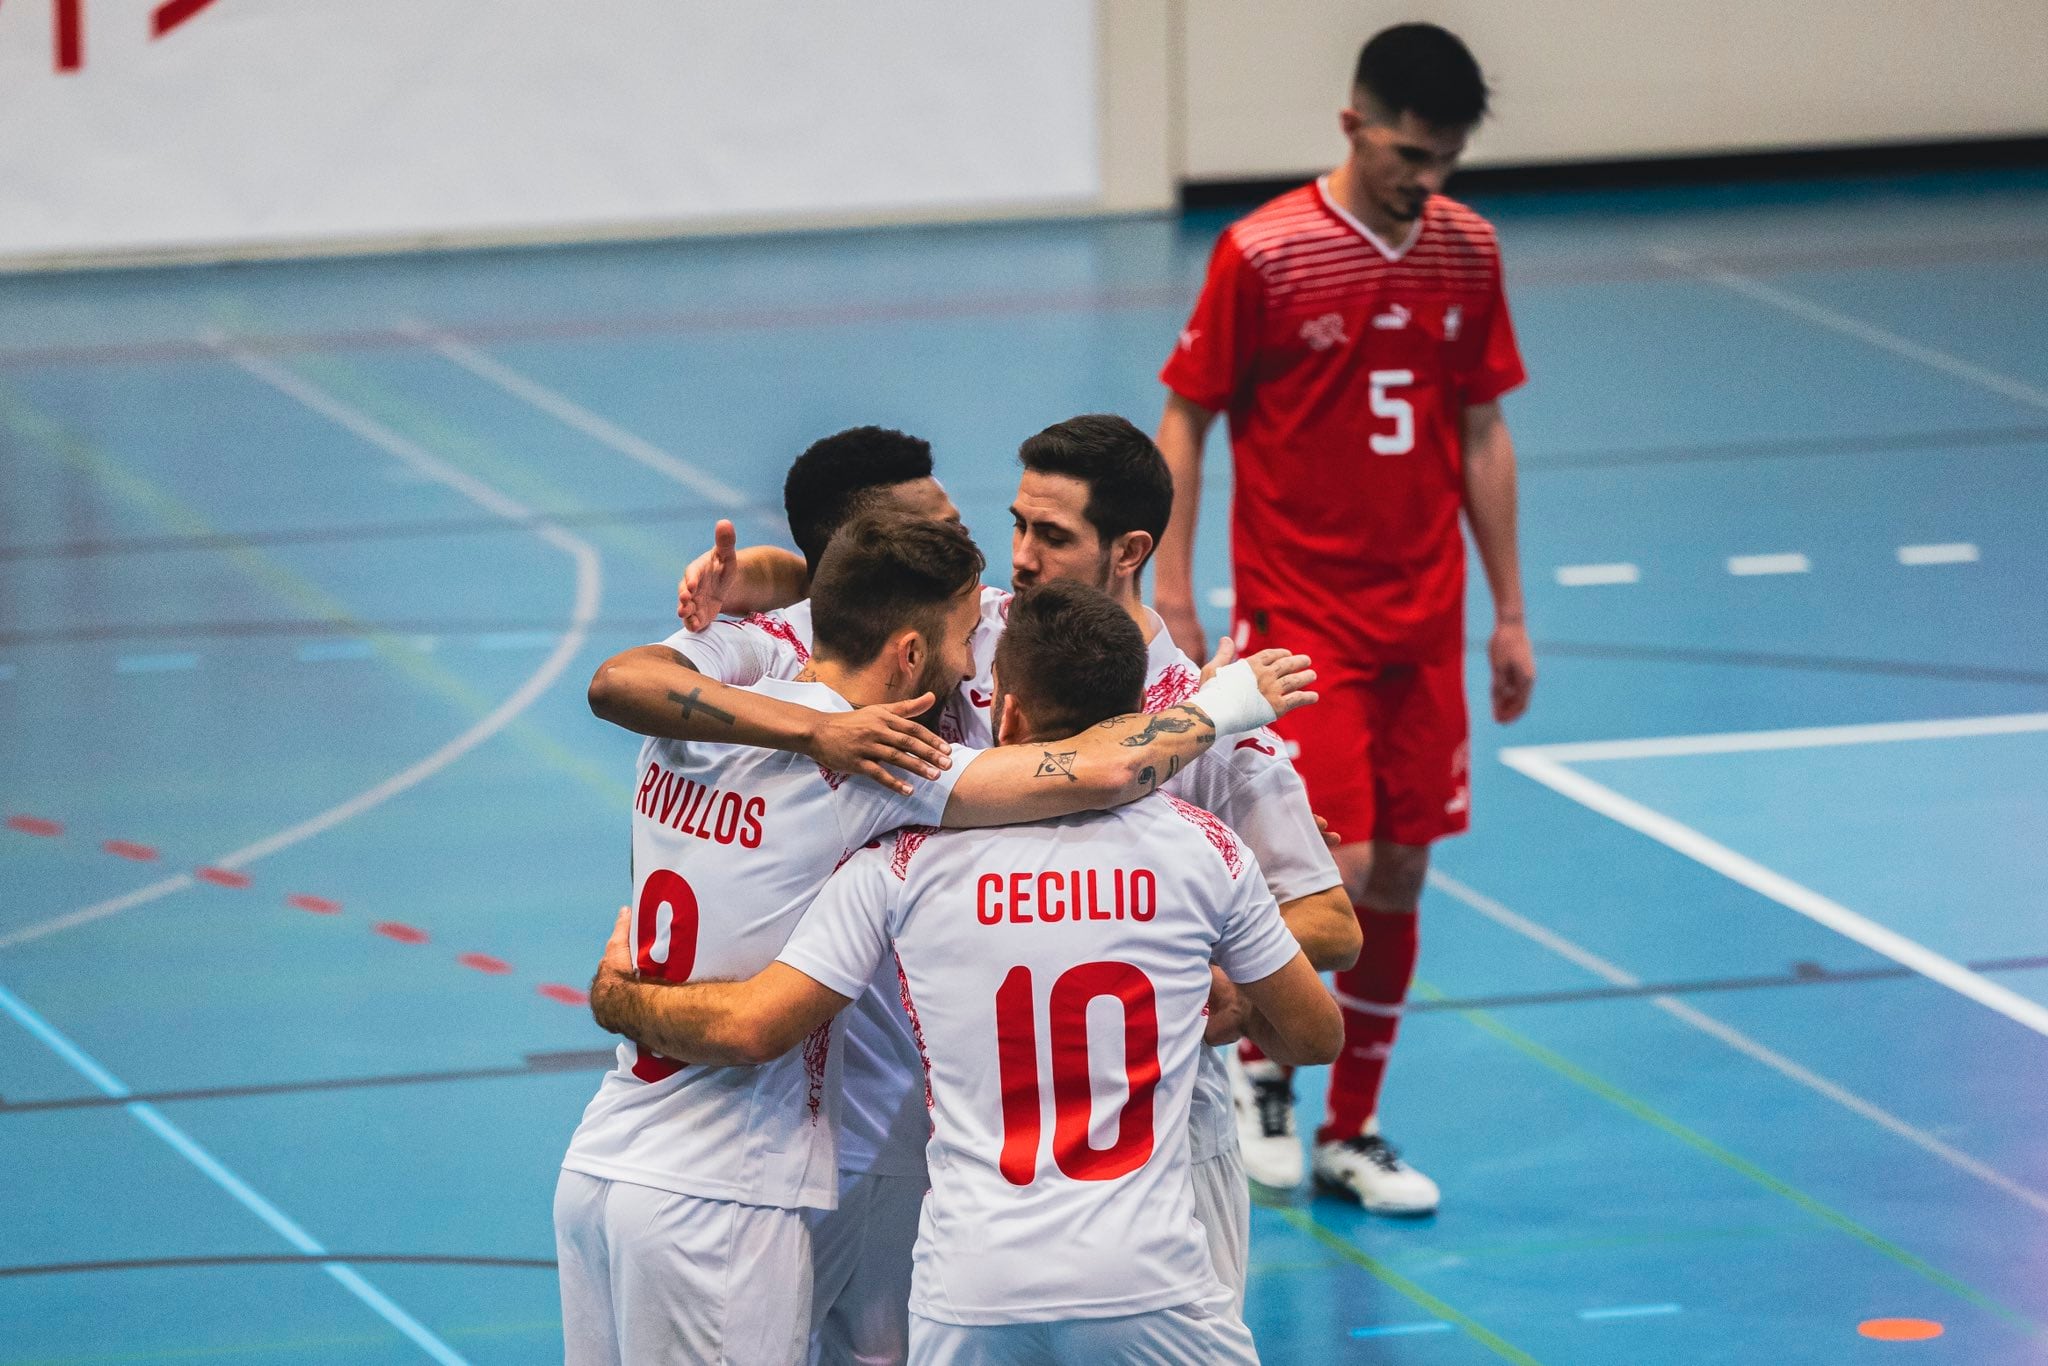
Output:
x,y
1345,366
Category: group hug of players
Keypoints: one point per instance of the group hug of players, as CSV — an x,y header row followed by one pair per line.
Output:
x,y
945,895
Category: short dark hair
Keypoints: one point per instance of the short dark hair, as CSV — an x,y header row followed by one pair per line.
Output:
x,y
1129,486
883,571
1423,70
839,475
1071,657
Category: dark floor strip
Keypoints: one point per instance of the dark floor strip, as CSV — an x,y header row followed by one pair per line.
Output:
x,y
1761,659
1801,975
386,531
593,1060
277,1259
578,1060
1967,438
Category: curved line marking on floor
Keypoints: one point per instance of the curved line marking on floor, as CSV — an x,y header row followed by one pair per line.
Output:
x,y
589,593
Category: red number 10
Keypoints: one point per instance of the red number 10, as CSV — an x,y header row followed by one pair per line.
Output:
x,y
1073,1105
664,889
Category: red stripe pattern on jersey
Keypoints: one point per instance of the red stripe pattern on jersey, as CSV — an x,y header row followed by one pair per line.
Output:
x,y
1215,831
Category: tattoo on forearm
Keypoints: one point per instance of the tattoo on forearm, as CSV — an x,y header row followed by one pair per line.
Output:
x,y
1176,721
1059,765
693,702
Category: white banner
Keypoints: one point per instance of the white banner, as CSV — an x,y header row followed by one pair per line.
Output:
x,y
147,125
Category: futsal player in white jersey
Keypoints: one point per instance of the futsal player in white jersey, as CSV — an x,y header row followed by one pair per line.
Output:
x,y
1048,968
1093,499
684,1185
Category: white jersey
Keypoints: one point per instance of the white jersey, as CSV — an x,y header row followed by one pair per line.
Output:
x,y
1251,785
1056,975
730,845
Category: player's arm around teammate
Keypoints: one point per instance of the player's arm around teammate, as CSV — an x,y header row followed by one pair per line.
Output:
x,y
725,1024
653,690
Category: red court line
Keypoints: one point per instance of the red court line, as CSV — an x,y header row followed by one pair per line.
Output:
x,y
318,905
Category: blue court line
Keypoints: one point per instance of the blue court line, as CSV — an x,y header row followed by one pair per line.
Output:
x,y
321,651
1629,1311
153,664
188,1148
1397,1330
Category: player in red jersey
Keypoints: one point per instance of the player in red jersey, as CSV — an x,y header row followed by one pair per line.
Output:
x,y
1356,332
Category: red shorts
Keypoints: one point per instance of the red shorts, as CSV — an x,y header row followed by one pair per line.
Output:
x,y
1386,754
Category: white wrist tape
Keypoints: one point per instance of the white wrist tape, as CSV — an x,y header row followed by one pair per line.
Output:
x,y
1233,701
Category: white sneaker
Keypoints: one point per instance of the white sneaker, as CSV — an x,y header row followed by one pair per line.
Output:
x,y
1263,1097
1369,1170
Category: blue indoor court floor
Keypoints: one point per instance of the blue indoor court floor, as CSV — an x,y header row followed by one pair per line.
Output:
x,y
1732,1033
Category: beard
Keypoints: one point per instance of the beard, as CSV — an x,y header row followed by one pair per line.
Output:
x,y
1022,579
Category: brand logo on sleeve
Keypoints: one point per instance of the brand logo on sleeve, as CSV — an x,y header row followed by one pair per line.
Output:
x,y
1395,318
1188,336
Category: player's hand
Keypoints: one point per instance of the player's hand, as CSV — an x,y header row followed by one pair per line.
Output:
x,y
1184,624
709,579
1283,680
876,741
1514,670
618,950
1330,837
1225,1022
1226,651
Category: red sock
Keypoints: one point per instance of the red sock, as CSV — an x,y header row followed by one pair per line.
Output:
x,y
1370,994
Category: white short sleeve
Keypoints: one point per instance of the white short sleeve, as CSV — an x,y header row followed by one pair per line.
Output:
x,y
844,936
1255,941
1263,799
869,809
736,653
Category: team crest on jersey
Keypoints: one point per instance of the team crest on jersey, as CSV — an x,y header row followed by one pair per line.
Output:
x,y
1394,319
1325,332
1454,318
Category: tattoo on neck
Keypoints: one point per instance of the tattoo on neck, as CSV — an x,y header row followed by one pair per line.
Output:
x,y
1059,765
693,702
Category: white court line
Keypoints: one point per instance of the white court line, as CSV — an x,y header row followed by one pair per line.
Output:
x,y
573,414
1953,552
1544,765
1745,565
588,593
1594,575
1741,1042
1870,333
1805,737
216,1171
1226,598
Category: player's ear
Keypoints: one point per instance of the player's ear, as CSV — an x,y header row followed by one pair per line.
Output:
x,y
1130,551
1010,725
906,652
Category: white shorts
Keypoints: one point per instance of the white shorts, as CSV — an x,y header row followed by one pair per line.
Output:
x,y
860,1270
1206,1331
1223,1207
651,1278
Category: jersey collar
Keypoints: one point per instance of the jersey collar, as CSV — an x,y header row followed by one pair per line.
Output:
x,y
1378,243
